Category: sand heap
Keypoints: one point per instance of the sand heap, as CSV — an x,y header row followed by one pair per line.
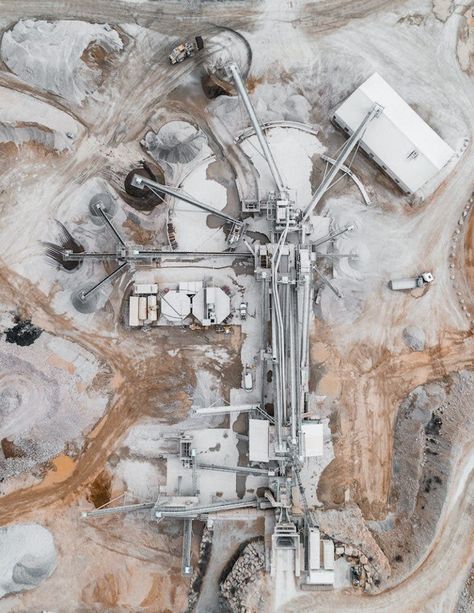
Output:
x,y
63,57
28,557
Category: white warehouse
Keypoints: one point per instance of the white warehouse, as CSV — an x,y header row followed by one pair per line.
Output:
x,y
404,145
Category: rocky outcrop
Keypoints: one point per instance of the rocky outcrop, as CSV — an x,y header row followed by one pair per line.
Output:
x,y
239,586
353,540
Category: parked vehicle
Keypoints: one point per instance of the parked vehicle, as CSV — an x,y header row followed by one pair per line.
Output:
x,y
243,310
411,282
185,50
247,380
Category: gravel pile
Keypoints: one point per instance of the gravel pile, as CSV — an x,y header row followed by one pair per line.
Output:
x,y
177,142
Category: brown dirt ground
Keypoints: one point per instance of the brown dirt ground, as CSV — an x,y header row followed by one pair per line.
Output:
x,y
372,384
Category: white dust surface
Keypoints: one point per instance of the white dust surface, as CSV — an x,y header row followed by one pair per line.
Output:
x,y
48,55
24,118
28,557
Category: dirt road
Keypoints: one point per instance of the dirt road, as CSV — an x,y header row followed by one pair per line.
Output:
x,y
372,378
437,581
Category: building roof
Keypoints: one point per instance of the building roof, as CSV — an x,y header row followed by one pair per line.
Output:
x,y
313,439
133,311
314,544
321,577
258,440
189,287
211,305
328,554
395,134
145,288
175,306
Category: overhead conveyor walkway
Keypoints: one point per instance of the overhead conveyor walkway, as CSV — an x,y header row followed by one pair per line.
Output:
x,y
197,511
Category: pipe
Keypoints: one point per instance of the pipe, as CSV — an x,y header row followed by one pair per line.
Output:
x,y
140,182
149,254
100,209
84,295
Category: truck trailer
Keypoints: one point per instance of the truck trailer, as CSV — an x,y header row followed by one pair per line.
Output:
x,y
411,282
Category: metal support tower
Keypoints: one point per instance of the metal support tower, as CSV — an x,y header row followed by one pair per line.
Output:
x,y
85,294
186,568
141,182
99,207
239,84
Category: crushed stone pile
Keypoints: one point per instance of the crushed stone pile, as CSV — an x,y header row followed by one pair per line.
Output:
x,y
176,142
28,557
248,569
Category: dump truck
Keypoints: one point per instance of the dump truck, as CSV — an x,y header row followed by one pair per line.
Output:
x,y
411,282
185,50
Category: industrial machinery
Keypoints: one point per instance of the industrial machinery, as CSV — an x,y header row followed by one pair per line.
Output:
x,y
411,282
286,268
186,49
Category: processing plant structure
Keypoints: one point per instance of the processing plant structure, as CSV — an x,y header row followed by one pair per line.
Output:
x,y
283,439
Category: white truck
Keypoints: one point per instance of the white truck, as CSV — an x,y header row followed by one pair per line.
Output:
x,y
247,380
411,282
185,50
243,308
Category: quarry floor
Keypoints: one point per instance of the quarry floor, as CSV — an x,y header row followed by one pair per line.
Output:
x,y
364,367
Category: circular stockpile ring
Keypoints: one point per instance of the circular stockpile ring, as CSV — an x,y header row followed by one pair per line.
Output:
x,y
87,305
143,199
108,205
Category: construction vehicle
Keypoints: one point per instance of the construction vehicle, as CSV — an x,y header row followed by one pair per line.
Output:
x,y
411,282
247,380
185,50
223,329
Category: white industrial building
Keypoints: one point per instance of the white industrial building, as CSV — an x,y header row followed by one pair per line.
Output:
x,y
262,440
259,440
313,440
143,305
320,558
211,305
175,306
404,145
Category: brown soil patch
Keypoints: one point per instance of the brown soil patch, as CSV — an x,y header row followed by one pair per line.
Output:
x,y
139,235
62,468
94,55
61,363
373,383
252,83
107,590
469,252
100,490
10,450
